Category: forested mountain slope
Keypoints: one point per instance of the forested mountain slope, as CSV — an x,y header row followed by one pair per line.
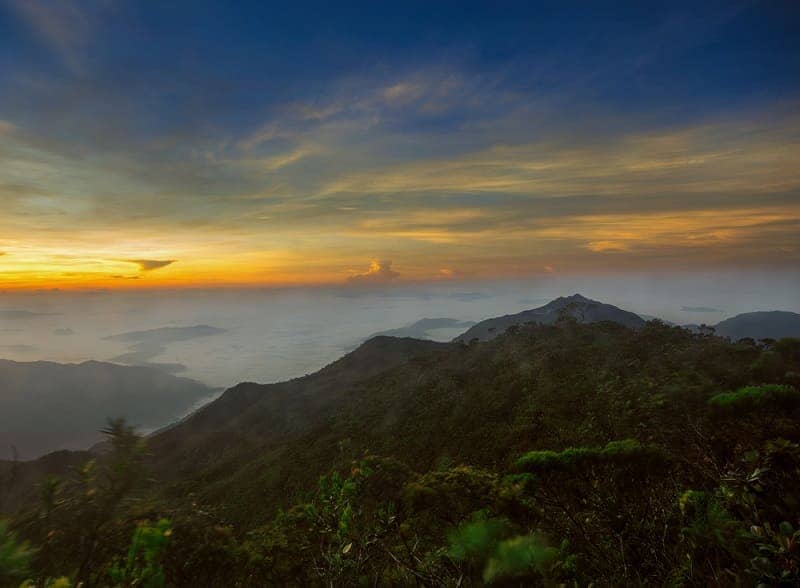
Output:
x,y
536,387
573,452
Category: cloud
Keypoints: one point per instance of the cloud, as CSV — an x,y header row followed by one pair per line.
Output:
x,y
604,246
22,314
20,348
63,332
491,188
699,309
62,25
6,128
378,272
148,265
749,157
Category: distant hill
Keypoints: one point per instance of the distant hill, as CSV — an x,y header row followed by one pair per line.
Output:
x,y
773,324
46,406
423,327
577,306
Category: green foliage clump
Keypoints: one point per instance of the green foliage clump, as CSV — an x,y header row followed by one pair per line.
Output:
x,y
477,539
15,556
524,554
488,544
777,559
614,452
142,566
751,398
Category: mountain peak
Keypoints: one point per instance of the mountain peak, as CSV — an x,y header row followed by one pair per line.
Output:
x,y
589,311
576,298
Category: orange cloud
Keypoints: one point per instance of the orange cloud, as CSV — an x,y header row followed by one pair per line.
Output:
x,y
378,272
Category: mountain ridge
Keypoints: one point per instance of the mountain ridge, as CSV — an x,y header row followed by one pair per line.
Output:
x,y
577,306
760,324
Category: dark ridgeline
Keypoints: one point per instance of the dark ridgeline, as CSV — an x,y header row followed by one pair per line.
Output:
x,y
774,324
576,306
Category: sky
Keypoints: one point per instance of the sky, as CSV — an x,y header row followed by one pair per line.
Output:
x,y
197,144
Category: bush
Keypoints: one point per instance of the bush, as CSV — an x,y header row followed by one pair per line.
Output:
x,y
752,398
142,566
616,452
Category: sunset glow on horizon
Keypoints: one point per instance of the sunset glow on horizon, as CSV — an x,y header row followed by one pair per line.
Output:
x,y
204,161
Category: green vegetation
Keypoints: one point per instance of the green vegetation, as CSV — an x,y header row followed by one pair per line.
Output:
x,y
752,398
15,556
141,567
626,451
567,455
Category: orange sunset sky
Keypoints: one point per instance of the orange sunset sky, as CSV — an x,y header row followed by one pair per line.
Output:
x,y
178,166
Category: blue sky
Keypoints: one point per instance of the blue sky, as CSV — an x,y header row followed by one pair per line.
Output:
x,y
305,142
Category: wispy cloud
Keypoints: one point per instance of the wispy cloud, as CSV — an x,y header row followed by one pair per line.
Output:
x,y
438,168
148,265
63,25
725,157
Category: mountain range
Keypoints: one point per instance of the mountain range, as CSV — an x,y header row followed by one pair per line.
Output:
x,y
583,409
46,406
758,325
266,443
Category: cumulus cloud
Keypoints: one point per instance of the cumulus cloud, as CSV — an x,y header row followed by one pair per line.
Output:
x,y
148,265
378,272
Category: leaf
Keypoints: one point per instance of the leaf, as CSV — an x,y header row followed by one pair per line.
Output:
x,y
346,549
